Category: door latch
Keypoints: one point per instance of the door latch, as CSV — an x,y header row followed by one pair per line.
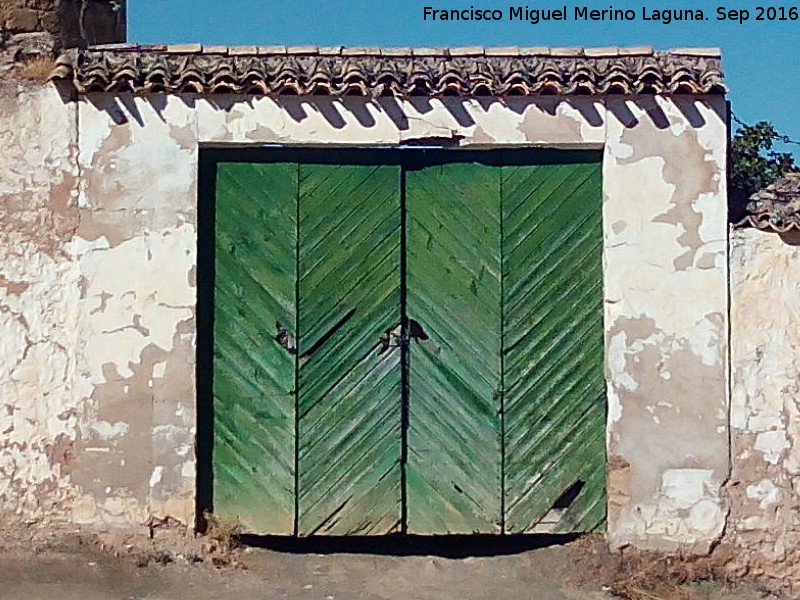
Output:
x,y
398,337
391,338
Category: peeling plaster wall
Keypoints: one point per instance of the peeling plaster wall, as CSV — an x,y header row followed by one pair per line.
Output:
x,y
97,309
132,249
136,247
666,323
765,408
39,414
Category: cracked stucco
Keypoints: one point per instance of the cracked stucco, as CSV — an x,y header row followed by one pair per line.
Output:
x,y
124,281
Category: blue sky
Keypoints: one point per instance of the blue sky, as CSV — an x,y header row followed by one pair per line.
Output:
x,y
761,59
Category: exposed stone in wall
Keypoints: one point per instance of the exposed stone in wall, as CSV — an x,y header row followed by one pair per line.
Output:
x,y
765,406
74,23
31,28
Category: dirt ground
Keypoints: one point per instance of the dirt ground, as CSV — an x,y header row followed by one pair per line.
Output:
x,y
46,563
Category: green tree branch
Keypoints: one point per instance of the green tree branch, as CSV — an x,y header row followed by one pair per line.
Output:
x,y
754,163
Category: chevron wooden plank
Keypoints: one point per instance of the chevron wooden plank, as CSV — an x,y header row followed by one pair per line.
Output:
x,y
349,421
453,282
253,375
554,389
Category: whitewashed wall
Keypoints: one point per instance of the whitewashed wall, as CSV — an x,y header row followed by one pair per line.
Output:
x,y
101,429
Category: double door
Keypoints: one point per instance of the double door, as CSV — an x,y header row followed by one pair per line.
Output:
x,y
408,341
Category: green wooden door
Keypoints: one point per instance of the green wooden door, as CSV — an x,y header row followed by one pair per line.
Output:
x,y
253,376
307,399
349,384
554,388
506,411
454,382
410,344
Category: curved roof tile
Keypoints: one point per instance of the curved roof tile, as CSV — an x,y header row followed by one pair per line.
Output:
x,y
474,71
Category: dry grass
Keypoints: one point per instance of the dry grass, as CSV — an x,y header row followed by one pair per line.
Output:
x,y
653,576
36,69
168,541
223,541
223,532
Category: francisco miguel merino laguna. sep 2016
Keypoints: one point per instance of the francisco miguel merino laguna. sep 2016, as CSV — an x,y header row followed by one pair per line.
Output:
x,y
577,13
